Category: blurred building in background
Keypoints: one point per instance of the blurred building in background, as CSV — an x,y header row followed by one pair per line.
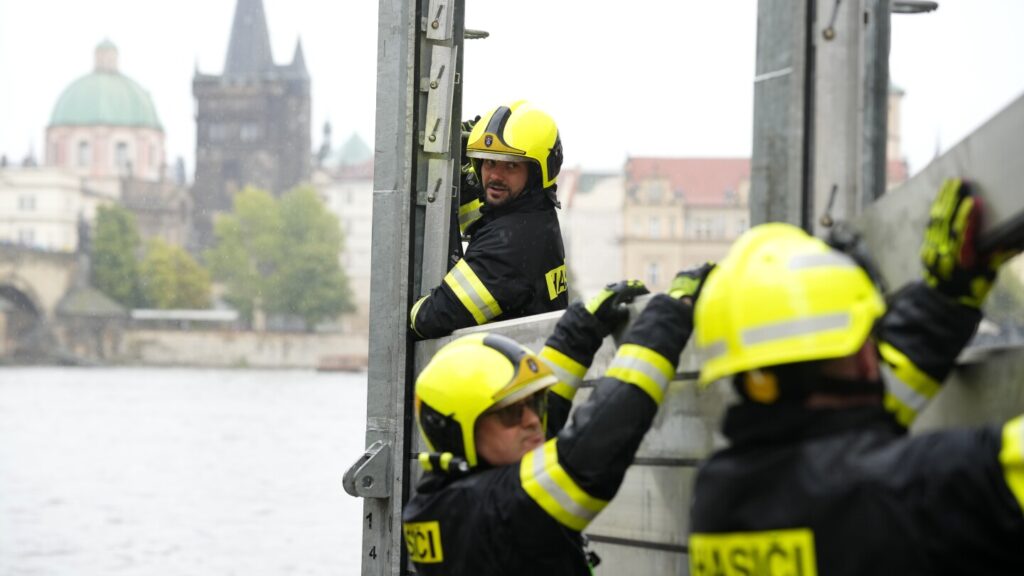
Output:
x,y
344,179
252,121
591,222
680,212
104,145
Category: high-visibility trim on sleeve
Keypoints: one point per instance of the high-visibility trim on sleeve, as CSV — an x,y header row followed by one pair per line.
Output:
x,y
908,389
570,373
643,368
412,314
469,213
1011,456
551,487
472,293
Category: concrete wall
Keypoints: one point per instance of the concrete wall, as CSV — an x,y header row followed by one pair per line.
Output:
x,y
215,348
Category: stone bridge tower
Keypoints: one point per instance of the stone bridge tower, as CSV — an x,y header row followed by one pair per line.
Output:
x,y
252,121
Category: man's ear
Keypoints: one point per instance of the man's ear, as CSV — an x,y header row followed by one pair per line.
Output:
x,y
868,361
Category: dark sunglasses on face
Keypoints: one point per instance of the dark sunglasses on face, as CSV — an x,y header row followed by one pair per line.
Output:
x,y
512,414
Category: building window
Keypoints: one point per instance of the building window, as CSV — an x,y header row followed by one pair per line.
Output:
x,y
249,132
27,203
654,190
653,273
26,236
121,156
84,154
218,132
655,227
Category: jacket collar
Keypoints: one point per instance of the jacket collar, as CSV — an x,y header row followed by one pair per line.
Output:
x,y
531,200
749,424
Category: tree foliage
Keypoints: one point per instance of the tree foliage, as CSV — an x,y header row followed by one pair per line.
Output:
x,y
281,256
171,278
115,270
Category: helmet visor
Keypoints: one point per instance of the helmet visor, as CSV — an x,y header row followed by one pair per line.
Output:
x,y
512,414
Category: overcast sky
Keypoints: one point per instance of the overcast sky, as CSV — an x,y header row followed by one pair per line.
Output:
x,y
647,77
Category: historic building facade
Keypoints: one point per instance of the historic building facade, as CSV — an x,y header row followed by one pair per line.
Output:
x,y
104,145
680,212
252,121
105,126
344,180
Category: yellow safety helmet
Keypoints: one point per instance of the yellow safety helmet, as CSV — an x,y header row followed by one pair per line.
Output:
x,y
466,378
781,296
517,132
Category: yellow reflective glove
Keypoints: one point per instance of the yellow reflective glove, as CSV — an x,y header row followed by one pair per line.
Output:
x,y
688,283
952,264
609,306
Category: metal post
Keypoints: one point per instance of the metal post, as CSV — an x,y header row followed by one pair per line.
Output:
x,y
850,74
417,129
781,101
819,110
381,475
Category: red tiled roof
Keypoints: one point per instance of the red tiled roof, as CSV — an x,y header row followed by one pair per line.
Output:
x,y
701,181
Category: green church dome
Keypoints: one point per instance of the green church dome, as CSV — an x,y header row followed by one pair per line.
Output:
x,y
105,97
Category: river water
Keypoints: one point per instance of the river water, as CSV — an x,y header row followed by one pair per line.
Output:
x,y
132,472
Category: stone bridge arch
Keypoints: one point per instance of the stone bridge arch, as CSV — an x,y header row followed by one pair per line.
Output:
x,y
32,284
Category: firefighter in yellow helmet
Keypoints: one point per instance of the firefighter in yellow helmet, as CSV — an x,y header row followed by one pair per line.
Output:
x,y
820,476
515,263
507,489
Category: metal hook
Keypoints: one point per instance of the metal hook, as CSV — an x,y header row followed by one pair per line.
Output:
x,y
830,32
826,218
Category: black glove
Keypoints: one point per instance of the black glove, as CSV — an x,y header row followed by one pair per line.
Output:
x,y
952,264
467,128
687,283
469,176
609,306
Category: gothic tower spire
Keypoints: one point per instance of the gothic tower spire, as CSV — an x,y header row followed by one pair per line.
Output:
x,y
249,51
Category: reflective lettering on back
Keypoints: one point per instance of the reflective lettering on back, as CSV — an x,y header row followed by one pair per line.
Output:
x,y
768,553
423,540
556,281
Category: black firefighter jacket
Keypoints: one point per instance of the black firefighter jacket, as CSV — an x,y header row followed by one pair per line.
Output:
x,y
514,266
847,491
526,518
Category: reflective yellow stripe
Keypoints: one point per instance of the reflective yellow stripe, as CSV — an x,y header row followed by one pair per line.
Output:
x,y
908,389
412,315
569,372
446,459
1011,456
424,459
469,213
544,479
644,368
472,293
795,328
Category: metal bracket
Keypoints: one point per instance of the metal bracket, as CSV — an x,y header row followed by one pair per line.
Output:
x,y
438,20
368,477
439,176
439,99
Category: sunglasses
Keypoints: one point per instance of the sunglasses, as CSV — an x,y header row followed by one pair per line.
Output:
x,y
512,414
